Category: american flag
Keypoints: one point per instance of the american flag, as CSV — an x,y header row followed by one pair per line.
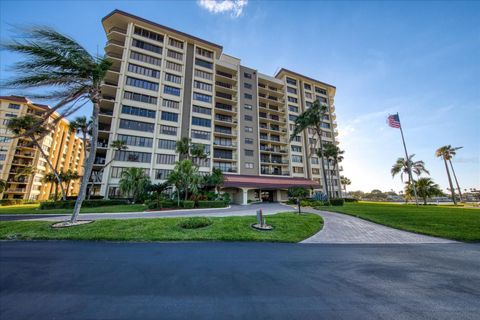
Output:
x,y
393,121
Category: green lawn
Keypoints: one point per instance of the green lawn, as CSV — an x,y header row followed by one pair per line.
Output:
x,y
447,222
288,227
33,208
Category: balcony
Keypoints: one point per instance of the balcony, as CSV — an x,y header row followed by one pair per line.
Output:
x,y
104,112
275,172
273,161
103,127
232,169
224,145
226,96
99,161
224,132
102,144
16,190
225,156
24,155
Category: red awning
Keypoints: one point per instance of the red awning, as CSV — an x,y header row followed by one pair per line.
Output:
x,y
247,181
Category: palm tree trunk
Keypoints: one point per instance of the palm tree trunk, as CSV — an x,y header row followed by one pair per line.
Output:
x,y
456,181
56,192
450,182
319,134
88,163
59,180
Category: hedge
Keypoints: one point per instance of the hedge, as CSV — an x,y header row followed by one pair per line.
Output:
x,y
337,201
350,200
12,202
188,204
211,204
70,204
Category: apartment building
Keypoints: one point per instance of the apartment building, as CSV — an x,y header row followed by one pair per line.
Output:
x,y
165,85
21,164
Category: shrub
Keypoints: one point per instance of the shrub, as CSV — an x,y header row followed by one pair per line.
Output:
x,y
195,222
211,204
350,200
188,204
337,201
70,204
291,201
12,202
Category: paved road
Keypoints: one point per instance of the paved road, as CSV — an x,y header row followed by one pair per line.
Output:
x,y
234,210
342,228
100,280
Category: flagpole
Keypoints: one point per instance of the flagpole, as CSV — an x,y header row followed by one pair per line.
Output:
x,y
408,162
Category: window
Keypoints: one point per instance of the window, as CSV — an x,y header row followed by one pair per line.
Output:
x,y
203,63
168,130
10,115
201,122
308,105
314,160
248,153
325,125
139,97
297,139
292,99
173,66
248,129
144,84
321,99
202,97
175,43
146,46
162,174
14,106
169,116
248,106
136,125
203,74
223,142
296,158
165,158
291,90
171,90
224,74
148,34
308,95
248,141
202,86
2,156
296,149
293,108
315,171
248,117
222,129
167,144
198,134
249,165
247,75
247,96
135,141
173,78
143,71
321,91
175,55
170,104
133,156
140,112
292,117
5,139
307,86
297,169
145,58
204,52
291,81
202,110
247,85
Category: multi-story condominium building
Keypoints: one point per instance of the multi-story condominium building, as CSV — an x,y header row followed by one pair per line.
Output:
x,y
22,166
165,85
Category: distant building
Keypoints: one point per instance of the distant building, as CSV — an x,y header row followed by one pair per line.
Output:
x,y
64,149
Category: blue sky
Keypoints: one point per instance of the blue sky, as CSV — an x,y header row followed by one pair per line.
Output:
x,y
421,59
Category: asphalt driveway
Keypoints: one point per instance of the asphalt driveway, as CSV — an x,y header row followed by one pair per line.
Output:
x,y
100,280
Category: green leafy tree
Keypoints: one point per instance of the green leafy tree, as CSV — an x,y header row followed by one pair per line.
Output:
x,y
298,193
447,153
426,188
215,179
312,119
134,183
185,178
53,60
28,126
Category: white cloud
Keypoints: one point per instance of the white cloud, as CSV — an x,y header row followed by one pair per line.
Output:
x,y
235,7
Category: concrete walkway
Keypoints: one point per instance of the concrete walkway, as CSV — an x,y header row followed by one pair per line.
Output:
x,y
342,228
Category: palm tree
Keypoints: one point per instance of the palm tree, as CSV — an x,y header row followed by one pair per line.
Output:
x,y
401,166
68,177
446,153
3,185
80,125
134,182
28,126
184,177
450,152
335,155
188,150
345,182
55,60
50,178
312,119
426,188
159,188
215,179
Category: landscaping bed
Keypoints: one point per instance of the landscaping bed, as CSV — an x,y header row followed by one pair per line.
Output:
x,y
34,209
287,227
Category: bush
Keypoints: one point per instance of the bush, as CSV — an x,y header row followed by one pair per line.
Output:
x,y
337,201
350,200
12,202
291,201
188,204
195,222
70,204
211,204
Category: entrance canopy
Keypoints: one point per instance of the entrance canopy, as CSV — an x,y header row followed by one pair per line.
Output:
x,y
247,181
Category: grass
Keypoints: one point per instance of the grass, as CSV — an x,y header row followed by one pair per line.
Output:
x,y
33,209
288,227
447,222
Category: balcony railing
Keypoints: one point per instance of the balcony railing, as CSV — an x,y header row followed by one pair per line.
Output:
x,y
275,172
222,144
116,42
117,29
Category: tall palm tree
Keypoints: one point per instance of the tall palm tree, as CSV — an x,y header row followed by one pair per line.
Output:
x,y
345,182
450,152
159,188
55,60
188,150
185,177
401,166
215,179
446,154
134,182
69,176
28,126
312,119
335,155
426,188
80,125
50,178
